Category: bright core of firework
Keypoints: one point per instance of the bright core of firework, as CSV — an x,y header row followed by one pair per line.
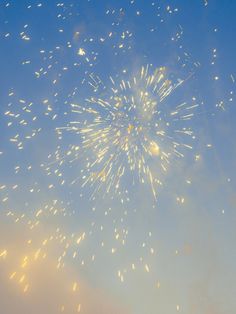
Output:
x,y
130,135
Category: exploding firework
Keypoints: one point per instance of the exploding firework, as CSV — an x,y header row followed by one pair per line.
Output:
x,y
129,133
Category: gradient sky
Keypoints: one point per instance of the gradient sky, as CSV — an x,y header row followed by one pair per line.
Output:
x,y
59,249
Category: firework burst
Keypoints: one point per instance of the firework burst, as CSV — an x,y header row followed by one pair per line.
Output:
x,y
130,134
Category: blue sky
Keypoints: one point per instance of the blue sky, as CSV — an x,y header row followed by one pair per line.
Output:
x,y
171,255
